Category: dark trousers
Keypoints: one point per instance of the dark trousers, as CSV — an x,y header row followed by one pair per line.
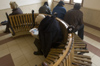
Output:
x,y
81,32
37,44
7,25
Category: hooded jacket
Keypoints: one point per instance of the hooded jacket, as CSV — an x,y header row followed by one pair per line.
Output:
x,y
60,10
45,9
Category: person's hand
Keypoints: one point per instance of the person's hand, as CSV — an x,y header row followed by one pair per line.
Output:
x,y
32,34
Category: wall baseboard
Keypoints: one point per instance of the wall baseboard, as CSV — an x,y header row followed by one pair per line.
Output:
x,y
92,26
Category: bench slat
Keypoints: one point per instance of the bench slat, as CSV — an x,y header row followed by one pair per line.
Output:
x,y
83,59
81,63
83,56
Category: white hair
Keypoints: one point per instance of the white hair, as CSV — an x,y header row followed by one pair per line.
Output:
x,y
13,4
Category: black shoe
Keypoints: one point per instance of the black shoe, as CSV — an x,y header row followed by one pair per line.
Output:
x,y
6,31
38,53
81,53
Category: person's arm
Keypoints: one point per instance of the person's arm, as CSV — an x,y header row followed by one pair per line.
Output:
x,y
48,11
64,10
10,14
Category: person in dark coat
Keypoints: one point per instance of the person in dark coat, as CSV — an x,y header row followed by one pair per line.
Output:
x,y
60,10
15,10
45,9
50,34
75,17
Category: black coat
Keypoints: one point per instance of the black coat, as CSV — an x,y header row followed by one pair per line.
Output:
x,y
49,34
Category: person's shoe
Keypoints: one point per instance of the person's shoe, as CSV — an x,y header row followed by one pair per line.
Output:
x,y
38,53
6,31
0,24
81,53
44,64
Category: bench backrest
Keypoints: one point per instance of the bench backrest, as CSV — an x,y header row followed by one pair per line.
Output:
x,y
21,22
64,27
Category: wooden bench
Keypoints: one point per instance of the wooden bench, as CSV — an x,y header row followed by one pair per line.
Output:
x,y
21,24
66,54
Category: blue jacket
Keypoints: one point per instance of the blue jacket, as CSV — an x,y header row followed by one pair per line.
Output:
x,y
61,11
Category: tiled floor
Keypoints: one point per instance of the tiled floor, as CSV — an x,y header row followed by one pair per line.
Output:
x,y
5,62
21,49
94,40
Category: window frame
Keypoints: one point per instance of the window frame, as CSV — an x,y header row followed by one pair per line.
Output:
x,y
71,2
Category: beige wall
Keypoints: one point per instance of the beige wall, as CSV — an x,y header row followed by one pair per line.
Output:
x,y
92,4
91,16
4,4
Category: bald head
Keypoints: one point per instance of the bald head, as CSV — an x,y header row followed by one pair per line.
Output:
x,y
39,18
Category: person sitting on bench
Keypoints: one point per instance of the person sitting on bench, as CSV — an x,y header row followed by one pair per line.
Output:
x,y
15,10
74,17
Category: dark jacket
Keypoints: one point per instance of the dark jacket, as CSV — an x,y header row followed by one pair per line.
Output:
x,y
60,10
16,11
45,9
74,17
49,34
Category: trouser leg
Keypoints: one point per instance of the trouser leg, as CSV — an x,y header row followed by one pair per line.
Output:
x,y
4,22
81,32
7,27
38,45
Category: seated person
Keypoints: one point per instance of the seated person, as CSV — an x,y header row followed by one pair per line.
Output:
x,y
50,35
60,10
15,10
74,17
45,9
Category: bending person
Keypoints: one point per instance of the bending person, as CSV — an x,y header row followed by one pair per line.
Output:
x,y
50,35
